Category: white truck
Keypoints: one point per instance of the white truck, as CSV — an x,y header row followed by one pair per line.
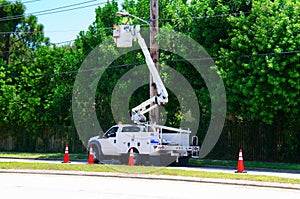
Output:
x,y
152,144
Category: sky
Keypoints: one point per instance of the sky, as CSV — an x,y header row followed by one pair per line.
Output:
x,y
64,26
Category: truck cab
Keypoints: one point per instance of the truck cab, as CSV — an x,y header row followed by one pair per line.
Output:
x,y
120,138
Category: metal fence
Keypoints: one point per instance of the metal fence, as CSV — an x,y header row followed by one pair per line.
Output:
x,y
54,144
260,142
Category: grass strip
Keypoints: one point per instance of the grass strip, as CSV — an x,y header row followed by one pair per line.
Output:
x,y
248,164
143,170
42,155
201,162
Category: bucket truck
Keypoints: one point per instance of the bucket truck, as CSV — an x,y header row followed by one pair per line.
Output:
x,y
152,144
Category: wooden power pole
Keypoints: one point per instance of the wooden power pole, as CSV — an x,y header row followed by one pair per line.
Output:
x,y
154,52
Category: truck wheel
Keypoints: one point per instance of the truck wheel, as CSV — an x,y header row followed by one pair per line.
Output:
x,y
137,157
98,155
183,161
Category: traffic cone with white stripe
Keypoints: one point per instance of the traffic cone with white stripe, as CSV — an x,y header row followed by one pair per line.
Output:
x,y
131,158
240,168
66,156
91,156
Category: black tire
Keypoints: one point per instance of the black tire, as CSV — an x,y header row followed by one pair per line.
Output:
x,y
139,159
183,161
98,155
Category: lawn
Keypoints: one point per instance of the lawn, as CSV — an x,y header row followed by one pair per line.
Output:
x,y
143,170
150,170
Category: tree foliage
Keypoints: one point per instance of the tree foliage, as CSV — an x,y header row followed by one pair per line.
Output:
x,y
261,62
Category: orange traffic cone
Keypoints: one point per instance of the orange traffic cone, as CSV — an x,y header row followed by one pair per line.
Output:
x,y
91,156
131,158
240,168
66,156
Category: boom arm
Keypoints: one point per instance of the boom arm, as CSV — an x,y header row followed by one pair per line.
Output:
x,y
161,98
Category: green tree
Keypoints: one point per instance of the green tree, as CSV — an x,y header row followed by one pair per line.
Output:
x,y
261,70
11,15
23,86
260,64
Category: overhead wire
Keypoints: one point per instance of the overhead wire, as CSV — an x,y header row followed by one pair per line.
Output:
x,y
160,19
9,2
62,7
200,17
29,32
54,10
63,42
240,56
30,1
162,60
72,71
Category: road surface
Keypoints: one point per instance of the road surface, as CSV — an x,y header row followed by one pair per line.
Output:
x,y
71,187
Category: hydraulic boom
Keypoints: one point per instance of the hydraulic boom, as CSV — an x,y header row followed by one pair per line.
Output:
x,y
124,34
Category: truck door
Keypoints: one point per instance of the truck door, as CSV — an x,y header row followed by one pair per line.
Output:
x,y
109,141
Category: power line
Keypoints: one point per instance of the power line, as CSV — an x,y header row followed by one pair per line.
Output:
x,y
62,7
4,33
63,42
213,16
29,32
134,64
72,71
241,56
31,1
43,12
200,17
56,10
9,2
53,11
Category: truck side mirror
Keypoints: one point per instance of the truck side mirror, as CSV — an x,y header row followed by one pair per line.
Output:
x,y
194,141
101,134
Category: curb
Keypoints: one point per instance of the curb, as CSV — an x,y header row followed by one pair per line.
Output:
x,y
158,177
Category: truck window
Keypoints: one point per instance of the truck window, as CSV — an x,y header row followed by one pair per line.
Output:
x,y
131,129
111,132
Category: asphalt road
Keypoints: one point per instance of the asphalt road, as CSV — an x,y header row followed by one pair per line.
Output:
x,y
32,186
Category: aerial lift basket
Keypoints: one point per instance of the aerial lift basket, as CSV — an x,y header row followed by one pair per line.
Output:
x,y
123,35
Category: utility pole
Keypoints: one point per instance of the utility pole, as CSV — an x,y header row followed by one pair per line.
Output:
x,y
154,52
